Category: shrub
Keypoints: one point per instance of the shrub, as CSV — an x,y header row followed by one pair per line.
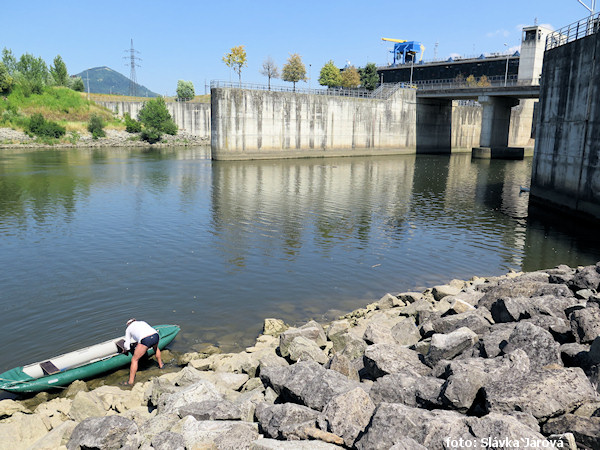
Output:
x,y
151,135
6,81
41,127
132,125
96,126
156,120
185,90
77,84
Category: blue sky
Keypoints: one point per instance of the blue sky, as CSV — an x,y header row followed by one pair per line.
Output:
x,y
186,40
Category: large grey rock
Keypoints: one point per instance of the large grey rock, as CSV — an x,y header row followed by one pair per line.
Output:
x,y
494,341
274,444
413,309
202,390
561,274
56,438
585,324
274,327
86,404
466,377
444,290
346,415
211,410
406,332
524,288
205,433
383,359
407,444
9,407
303,349
24,429
104,433
343,365
348,344
394,422
585,429
238,437
538,343
472,320
378,333
545,393
286,420
167,440
575,355
409,389
585,278
389,301
558,327
448,346
307,383
494,429
312,330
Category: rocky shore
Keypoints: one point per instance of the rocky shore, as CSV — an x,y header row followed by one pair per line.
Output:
x,y
14,139
502,362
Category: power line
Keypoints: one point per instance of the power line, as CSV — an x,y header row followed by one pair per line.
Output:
x,y
132,65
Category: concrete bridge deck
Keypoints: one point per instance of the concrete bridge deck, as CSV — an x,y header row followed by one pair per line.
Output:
x,y
474,93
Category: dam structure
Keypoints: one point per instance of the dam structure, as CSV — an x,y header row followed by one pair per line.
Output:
x,y
443,116
566,164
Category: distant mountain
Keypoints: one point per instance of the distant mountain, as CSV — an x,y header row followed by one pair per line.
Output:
x,y
104,80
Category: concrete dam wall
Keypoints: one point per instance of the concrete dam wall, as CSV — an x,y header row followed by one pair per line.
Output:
x,y
194,118
566,165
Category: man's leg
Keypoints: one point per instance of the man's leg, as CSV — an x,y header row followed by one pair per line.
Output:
x,y
140,350
158,358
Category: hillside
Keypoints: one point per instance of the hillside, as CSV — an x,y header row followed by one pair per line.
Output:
x,y
104,80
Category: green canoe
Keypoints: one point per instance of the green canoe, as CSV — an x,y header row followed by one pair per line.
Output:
x,y
78,365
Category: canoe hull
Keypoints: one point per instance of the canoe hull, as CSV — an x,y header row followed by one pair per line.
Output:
x,y
15,380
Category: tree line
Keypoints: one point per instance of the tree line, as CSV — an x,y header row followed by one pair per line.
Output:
x,y
294,71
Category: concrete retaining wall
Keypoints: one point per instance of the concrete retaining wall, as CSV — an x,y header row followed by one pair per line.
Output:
x,y
249,124
566,165
194,118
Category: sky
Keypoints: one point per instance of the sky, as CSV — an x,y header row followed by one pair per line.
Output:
x,y
186,40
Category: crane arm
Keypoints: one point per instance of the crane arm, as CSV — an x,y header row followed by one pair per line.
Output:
x,y
394,40
422,51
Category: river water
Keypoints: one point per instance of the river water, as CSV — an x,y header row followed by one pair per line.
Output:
x,y
90,238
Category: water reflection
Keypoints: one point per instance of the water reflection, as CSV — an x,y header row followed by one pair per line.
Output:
x,y
89,238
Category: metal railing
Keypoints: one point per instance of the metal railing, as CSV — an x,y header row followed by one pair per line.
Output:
x,y
383,92
577,30
476,83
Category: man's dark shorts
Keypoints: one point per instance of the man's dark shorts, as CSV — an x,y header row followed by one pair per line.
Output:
x,y
150,341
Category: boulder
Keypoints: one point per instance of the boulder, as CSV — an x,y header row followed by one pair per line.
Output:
x,y
86,404
585,324
538,343
585,429
409,389
444,290
271,360
211,410
74,388
303,349
201,391
378,333
346,415
56,438
238,437
561,274
407,444
120,400
24,429
405,332
274,444
504,431
167,440
205,433
337,326
412,309
383,359
312,330
575,355
286,420
545,393
274,327
348,344
558,327
409,297
238,363
9,407
307,383
473,320
448,346
389,301
158,424
494,341
522,288
393,422
104,433
585,278
343,365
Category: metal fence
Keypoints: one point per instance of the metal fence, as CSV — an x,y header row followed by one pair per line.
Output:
x,y
577,30
384,91
476,83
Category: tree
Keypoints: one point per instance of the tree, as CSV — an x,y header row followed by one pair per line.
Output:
x,y
269,70
156,120
369,77
59,72
471,81
33,73
185,90
483,81
330,75
350,77
236,60
76,84
9,61
294,70
6,81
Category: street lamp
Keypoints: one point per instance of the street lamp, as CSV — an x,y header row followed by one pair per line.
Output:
x,y
591,9
506,72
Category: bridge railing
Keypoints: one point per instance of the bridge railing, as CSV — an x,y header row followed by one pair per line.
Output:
x,y
382,92
577,30
475,83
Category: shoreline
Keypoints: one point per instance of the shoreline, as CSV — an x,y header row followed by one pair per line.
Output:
x,y
512,358
13,139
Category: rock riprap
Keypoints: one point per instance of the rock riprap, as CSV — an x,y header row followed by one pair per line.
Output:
x,y
503,362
